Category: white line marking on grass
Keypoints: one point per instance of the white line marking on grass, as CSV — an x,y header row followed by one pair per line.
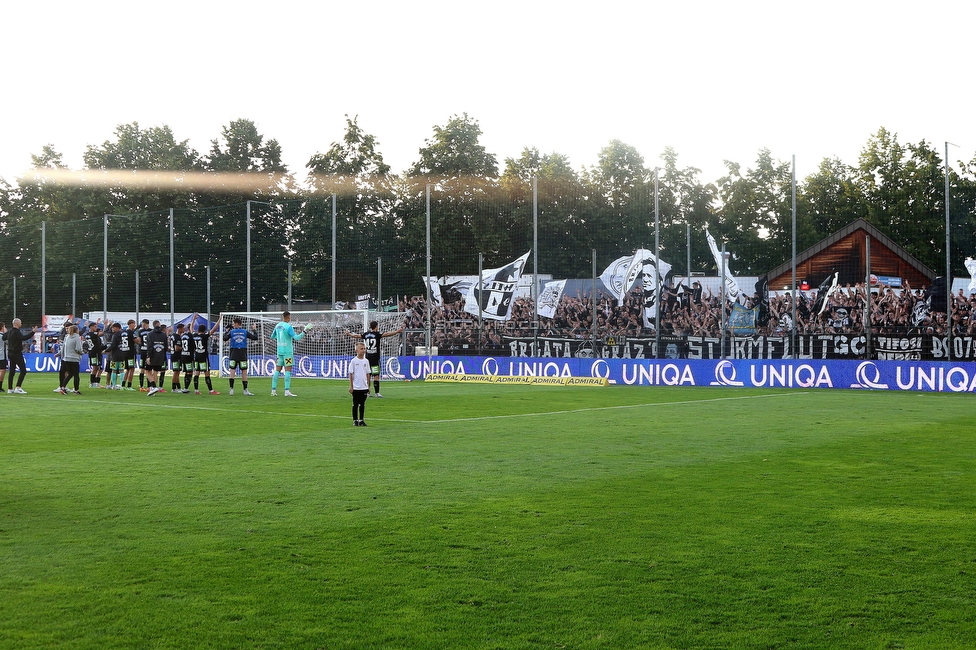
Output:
x,y
597,408
158,405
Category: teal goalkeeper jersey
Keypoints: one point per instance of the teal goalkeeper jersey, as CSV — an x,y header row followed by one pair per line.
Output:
x,y
285,335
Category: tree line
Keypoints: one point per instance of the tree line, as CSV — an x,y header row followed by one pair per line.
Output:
x,y
477,206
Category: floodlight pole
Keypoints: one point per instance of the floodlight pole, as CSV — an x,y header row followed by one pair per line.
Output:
x,y
379,283
74,294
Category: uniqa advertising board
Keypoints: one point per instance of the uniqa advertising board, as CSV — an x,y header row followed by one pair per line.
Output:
x,y
904,375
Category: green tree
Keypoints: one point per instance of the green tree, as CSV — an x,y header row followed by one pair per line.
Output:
x,y
829,199
904,193
466,218
686,203
621,201
563,246
755,214
354,170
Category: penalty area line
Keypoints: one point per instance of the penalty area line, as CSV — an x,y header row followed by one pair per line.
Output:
x,y
595,408
157,405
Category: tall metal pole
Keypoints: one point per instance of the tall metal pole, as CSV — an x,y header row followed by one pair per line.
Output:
x,y
289,285
535,262
794,332
481,261
478,286
105,270
333,250
379,283
948,273
688,249
74,294
481,269
657,270
137,296
248,247
43,279
593,303
172,274
867,301
721,354
208,295
15,296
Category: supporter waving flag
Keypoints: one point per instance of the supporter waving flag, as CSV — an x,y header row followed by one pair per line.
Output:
x,y
493,296
827,287
549,298
731,286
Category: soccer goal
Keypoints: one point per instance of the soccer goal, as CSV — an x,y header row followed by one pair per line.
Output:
x,y
327,332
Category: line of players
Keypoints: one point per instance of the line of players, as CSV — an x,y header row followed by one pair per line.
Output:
x,y
117,352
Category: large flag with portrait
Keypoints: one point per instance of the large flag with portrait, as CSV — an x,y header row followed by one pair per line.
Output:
x,y
623,273
494,295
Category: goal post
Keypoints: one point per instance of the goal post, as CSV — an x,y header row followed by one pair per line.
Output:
x,y
324,350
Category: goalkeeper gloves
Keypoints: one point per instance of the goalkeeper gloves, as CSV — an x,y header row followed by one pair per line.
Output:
x,y
308,327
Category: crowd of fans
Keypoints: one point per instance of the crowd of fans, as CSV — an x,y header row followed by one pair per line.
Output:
x,y
685,311
693,311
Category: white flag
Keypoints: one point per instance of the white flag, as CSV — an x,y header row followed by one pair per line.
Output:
x,y
614,278
550,297
495,293
971,267
731,286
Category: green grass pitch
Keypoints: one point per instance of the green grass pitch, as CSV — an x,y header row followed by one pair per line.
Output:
x,y
473,516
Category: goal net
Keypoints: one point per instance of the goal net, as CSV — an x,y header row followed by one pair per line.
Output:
x,y
325,342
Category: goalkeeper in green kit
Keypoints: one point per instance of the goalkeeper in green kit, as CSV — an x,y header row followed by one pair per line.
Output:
x,y
285,335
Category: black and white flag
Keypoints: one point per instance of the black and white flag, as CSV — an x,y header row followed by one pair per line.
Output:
x,y
722,265
762,291
827,287
550,297
444,292
494,295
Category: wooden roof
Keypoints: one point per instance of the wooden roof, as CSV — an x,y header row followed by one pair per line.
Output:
x,y
844,251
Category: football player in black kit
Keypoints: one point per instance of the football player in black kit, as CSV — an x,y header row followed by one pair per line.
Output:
x,y
371,340
201,360
93,342
142,335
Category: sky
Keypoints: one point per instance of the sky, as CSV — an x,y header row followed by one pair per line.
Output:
x,y
715,81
